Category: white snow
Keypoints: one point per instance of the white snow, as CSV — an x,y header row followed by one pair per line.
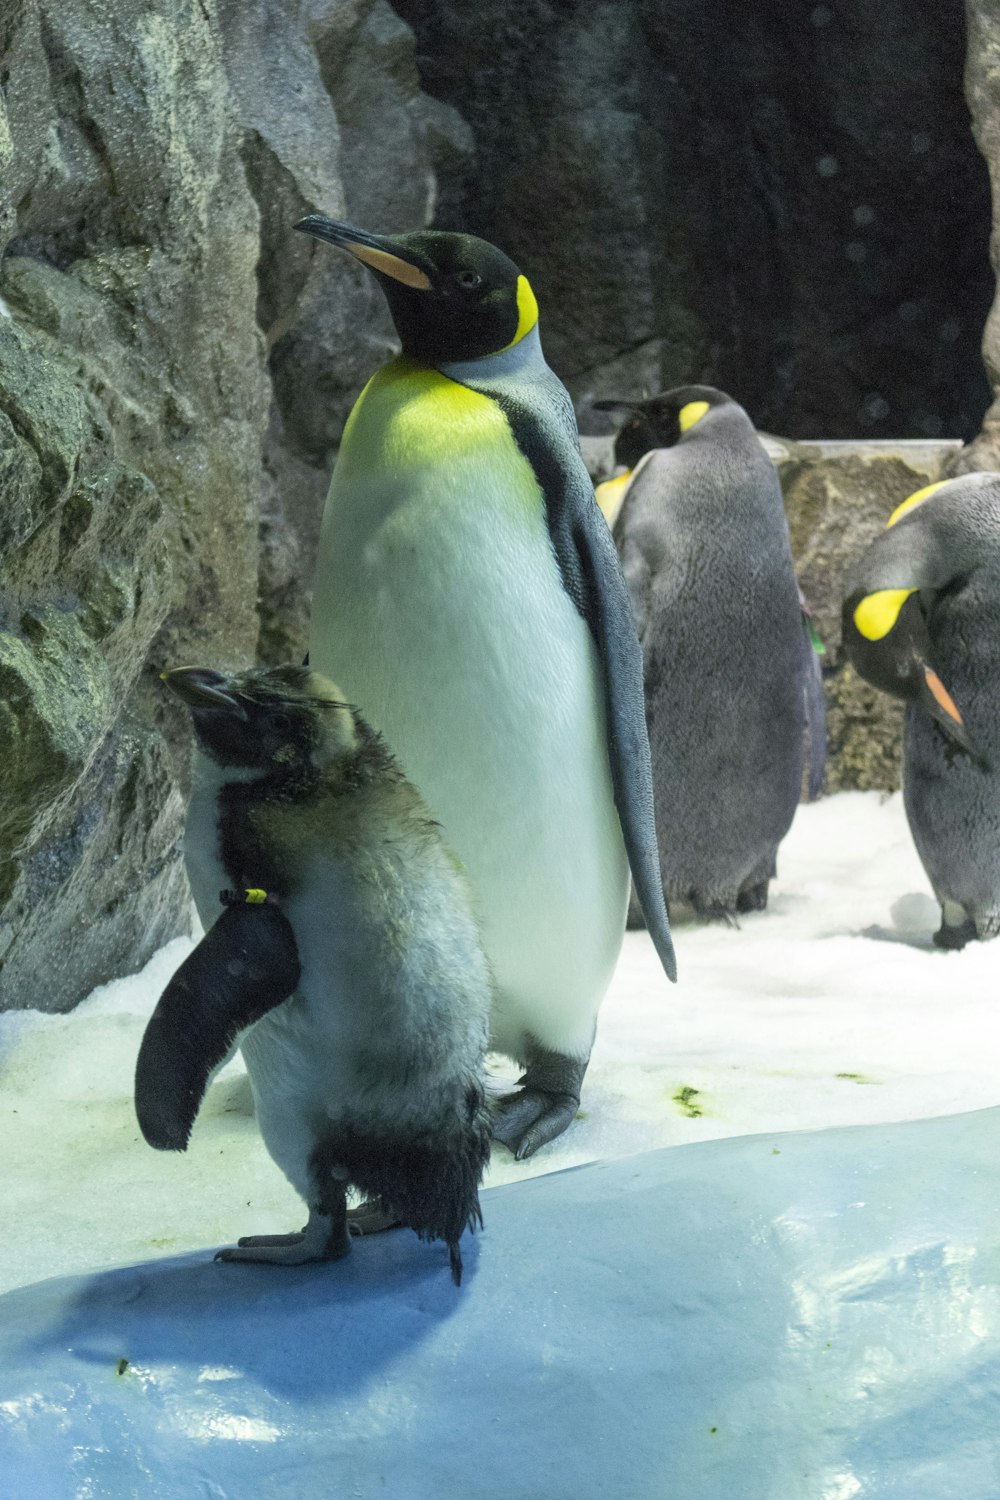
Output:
x,y
832,1008
769,1317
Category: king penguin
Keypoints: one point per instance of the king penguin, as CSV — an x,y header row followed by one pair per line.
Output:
x,y
469,598
732,679
921,620
344,956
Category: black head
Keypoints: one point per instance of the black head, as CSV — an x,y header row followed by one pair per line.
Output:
x,y
661,421
888,643
280,721
452,296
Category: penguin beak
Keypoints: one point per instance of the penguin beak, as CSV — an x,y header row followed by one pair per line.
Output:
x,y
378,252
201,688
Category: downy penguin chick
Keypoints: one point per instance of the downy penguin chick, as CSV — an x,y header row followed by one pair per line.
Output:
x,y
349,966
731,676
921,621
468,597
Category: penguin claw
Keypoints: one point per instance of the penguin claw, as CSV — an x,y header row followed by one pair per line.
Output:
x,y
529,1118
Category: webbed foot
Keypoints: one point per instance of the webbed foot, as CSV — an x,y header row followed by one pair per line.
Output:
x,y
545,1102
325,1237
370,1218
955,937
753,898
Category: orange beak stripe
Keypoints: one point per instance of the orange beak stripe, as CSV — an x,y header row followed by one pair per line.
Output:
x,y
389,265
942,695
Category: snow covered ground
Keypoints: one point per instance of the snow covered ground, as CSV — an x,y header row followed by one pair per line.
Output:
x,y
832,1008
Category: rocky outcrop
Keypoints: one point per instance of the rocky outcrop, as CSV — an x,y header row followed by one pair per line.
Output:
x,y
781,200
175,368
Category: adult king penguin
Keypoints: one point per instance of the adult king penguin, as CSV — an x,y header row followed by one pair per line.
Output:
x,y
468,597
731,674
345,958
921,621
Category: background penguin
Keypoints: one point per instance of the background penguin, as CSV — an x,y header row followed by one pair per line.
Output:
x,y
469,598
729,666
361,999
922,621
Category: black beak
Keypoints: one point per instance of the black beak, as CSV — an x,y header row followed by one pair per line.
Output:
x,y
201,688
380,252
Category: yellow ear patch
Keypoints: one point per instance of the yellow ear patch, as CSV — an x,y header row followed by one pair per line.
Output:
x,y
527,311
390,265
691,413
917,498
611,493
877,614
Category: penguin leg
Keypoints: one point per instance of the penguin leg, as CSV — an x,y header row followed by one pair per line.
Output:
x,y
324,1237
957,927
545,1102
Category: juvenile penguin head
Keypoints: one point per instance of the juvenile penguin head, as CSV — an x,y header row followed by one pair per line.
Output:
x,y
452,296
284,721
663,420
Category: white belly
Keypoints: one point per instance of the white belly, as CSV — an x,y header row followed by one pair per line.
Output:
x,y
441,614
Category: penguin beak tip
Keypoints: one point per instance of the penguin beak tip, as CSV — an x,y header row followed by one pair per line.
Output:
x,y
201,688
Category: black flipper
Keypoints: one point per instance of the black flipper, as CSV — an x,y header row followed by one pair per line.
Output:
x,y
244,966
593,578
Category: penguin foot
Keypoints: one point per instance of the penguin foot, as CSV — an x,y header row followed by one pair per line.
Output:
x,y
952,938
370,1218
529,1118
753,898
545,1102
323,1238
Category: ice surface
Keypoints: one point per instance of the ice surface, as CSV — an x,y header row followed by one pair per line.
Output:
x,y
827,1303
790,1317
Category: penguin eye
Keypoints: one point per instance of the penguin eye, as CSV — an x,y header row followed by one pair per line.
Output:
x,y
468,280
280,722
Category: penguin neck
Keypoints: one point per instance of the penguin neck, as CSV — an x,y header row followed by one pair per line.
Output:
x,y
521,359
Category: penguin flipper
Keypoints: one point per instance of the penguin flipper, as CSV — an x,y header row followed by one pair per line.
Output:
x,y
245,965
592,576
815,699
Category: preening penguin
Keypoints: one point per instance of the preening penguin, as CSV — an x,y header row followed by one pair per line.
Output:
x,y
348,964
921,621
729,665
469,599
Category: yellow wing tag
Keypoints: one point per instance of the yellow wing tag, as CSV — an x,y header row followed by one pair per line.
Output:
x,y
877,613
255,897
692,413
917,498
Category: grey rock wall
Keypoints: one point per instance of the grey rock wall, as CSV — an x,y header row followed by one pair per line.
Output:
x,y
175,368
781,198
982,89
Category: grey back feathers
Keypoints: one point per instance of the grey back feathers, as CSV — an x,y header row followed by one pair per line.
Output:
x,y
946,549
707,559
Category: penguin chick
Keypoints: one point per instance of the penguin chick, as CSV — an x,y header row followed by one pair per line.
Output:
x,y
468,596
728,662
921,621
358,987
